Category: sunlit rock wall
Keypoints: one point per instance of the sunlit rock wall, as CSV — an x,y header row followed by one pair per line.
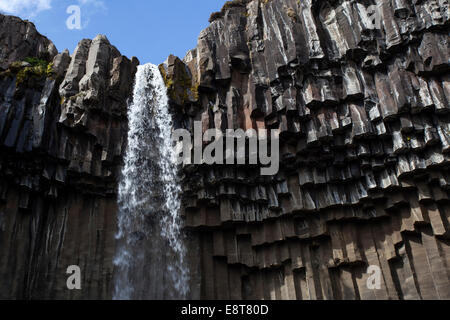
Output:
x,y
363,111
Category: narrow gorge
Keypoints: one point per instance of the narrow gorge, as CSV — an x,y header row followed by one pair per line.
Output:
x,y
362,104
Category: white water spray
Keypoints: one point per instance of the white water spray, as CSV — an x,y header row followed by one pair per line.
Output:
x,y
150,258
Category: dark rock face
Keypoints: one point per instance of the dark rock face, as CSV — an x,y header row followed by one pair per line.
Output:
x,y
62,138
20,39
363,112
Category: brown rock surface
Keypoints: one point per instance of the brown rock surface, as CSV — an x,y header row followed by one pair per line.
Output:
x,y
364,117
363,111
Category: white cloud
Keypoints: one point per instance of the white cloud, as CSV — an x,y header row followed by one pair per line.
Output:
x,y
24,7
30,8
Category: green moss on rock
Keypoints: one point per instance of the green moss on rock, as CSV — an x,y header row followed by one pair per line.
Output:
x,y
228,5
179,83
31,70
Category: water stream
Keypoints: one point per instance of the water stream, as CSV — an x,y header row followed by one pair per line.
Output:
x,y
150,257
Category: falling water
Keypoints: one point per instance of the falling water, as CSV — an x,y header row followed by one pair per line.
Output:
x,y
150,258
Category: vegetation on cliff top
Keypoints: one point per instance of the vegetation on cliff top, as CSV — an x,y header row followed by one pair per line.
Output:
x,y
226,6
28,71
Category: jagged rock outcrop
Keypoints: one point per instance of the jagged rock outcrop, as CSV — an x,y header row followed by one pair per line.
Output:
x,y
62,138
20,40
363,110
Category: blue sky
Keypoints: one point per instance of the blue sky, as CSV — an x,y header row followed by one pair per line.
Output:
x,y
147,29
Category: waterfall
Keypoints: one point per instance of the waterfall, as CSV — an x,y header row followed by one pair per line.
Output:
x,y
150,257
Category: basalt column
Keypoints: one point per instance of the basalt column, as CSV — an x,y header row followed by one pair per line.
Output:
x,y
362,103
63,130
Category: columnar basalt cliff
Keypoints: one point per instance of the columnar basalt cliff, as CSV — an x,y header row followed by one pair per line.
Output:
x,y
63,130
363,111
363,107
